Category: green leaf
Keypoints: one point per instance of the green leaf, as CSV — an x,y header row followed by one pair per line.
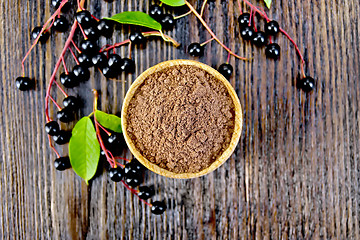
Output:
x,y
268,3
109,121
136,18
84,149
174,3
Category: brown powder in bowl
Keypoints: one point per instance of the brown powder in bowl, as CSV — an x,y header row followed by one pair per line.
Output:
x,y
181,119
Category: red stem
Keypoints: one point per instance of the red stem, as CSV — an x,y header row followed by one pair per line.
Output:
x,y
211,32
56,104
263,14
125,159
135,192
66,70
116,45
61,89
37,39
52,78
75,46
106,131
82,31
74,56
52,147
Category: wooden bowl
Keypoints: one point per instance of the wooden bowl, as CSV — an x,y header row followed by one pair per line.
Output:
x,y
221,159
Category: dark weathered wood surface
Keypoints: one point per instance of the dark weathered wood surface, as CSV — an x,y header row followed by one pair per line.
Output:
x,y
294,175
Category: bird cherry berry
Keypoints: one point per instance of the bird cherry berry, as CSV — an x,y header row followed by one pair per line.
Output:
x,y
196,50
272,28
167,21
81,73
24,83
60,24
109,72
99,60
133,180
226,70
62,163
127,65
156,12
116,174
306,84
105,28
91,33
115,140
137,38
71,103
84,60
88,46
259,39
114,62
44,35
273,51
146,192
158,207
65,115
68,80
84,18
62,137
247,33
133,167
52,128
244,20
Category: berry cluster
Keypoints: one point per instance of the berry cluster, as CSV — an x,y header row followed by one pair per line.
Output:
x,y
89,54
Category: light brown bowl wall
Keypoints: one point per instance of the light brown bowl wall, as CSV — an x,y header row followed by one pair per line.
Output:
x,y
222,158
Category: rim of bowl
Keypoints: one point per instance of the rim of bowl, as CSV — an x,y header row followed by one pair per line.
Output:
x,y
235,136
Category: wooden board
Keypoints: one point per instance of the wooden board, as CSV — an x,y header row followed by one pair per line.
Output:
x,y
294,175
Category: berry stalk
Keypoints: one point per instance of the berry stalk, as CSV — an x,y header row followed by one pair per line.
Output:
x,y
211,32
135,192
263,14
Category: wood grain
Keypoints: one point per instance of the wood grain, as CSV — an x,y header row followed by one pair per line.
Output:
x,y
294,175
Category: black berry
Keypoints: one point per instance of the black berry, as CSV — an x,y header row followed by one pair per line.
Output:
x,y
244,20
306,84
167,21
133,180
146,192
259,39
105,28
99,60
62,163
65,115
109,72
24,83
82,74
137,38
133,167
69,80
127,65
196,50
273,51
60,24
88,46
158,207
115,140
114,62
156,12
62,138
43,37
92,33
226,70
272,28
71,102
52,128
247,33
116,174
85,60
84,18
